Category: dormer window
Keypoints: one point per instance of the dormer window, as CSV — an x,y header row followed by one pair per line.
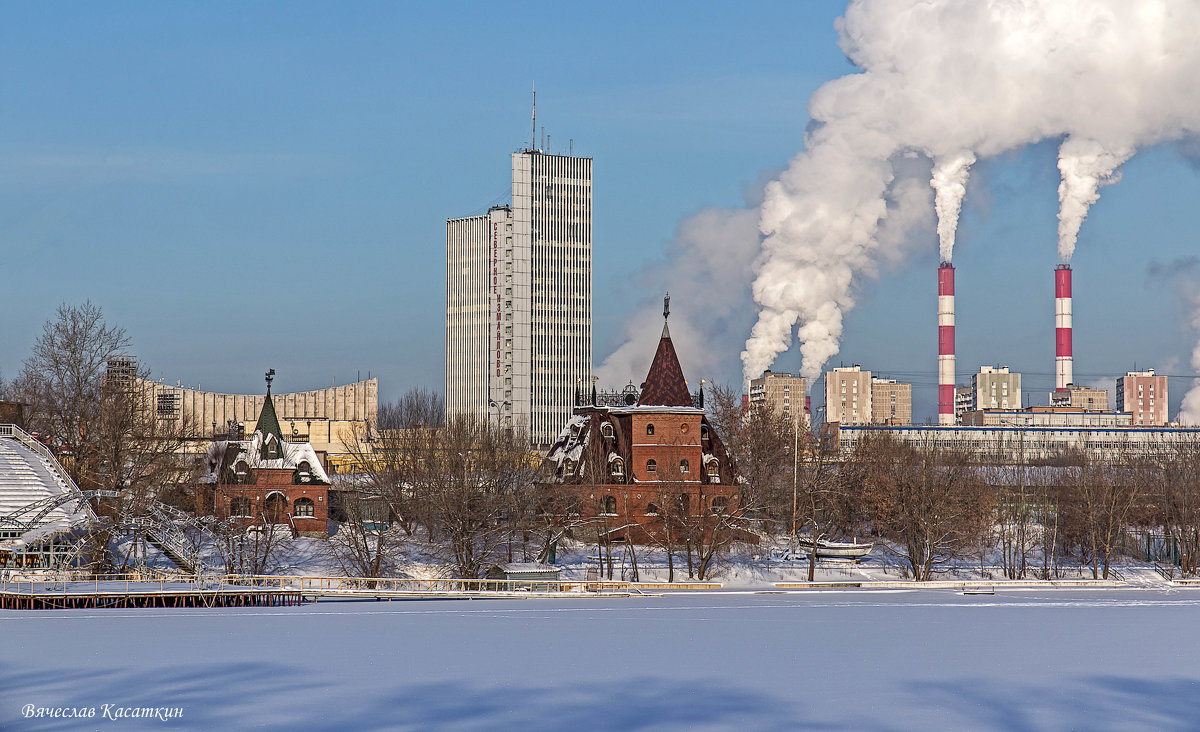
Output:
x,y
303,472
575,430
569,466
606,429
618,468
714,471
241,472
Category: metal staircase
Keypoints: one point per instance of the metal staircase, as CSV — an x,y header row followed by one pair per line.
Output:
x,y
34,490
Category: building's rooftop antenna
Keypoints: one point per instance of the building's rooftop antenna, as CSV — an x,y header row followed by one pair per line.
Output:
x,y
533,132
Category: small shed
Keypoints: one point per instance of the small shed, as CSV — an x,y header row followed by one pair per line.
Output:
x,y
526,575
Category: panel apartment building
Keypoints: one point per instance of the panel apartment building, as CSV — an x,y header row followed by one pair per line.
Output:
x,y
519,299
786,394
853,396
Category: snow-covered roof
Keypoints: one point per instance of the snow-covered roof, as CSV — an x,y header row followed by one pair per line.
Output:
x,y
26,476
293,454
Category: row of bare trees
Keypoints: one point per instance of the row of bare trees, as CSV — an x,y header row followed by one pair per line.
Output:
x,y
935,505
465,483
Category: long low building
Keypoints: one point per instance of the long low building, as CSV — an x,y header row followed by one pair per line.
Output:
x,y
1019,443
329,419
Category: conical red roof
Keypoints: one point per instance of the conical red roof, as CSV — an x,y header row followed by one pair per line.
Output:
x,y
665,385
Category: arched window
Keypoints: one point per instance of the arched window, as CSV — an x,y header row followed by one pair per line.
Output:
x,y
704,433
618,468
685,503
568,466
684,466
720,504
650,429
714,471
241,472
303,472
609,505
606,429
651,465
239,507
651,509
303,507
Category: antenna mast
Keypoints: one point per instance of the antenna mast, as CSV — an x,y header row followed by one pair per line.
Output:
x,y
533,132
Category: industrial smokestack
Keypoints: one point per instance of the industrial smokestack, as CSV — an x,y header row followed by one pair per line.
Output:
x,y
1064,366
946,344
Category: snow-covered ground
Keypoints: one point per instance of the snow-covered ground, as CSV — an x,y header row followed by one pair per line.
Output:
x,y
855,660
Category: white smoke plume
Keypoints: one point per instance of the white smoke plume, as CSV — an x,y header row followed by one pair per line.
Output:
x,y
951,81
1085,165
708,270
950,182
1189,409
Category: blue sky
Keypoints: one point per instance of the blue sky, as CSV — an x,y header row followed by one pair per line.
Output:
x,y
245,186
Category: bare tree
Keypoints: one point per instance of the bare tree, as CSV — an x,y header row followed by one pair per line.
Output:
x,y
818,493
468,471
929,501
1100,503
63,382
1178,502
761,443
365,544
106,429
247,546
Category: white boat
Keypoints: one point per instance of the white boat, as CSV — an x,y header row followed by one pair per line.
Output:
x,y
832,549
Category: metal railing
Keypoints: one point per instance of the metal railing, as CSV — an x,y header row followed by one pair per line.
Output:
x,y
15,432
367,585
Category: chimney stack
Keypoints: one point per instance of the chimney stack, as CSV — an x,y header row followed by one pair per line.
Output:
x,y
1064,365
946,344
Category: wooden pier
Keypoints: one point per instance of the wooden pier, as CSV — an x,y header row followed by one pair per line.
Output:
x,y
70,594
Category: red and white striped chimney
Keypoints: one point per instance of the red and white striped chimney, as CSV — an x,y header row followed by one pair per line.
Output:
x,y
1064,365
946,344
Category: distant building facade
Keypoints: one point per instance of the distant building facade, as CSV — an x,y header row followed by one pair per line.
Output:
x,y
331,420
964,401
784,393
891,402
995,387
1081,397
519,299
848,395
1075,417
1006,445
1143,394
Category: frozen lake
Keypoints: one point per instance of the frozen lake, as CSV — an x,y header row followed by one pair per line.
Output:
x,y
1114,659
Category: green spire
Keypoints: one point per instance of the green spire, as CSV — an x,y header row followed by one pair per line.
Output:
x,y
268,423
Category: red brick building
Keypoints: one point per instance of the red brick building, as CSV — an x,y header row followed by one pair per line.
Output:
x,y
266,480
637,468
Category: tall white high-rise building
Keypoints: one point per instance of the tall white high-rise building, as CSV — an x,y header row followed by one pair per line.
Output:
x,y
519,299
